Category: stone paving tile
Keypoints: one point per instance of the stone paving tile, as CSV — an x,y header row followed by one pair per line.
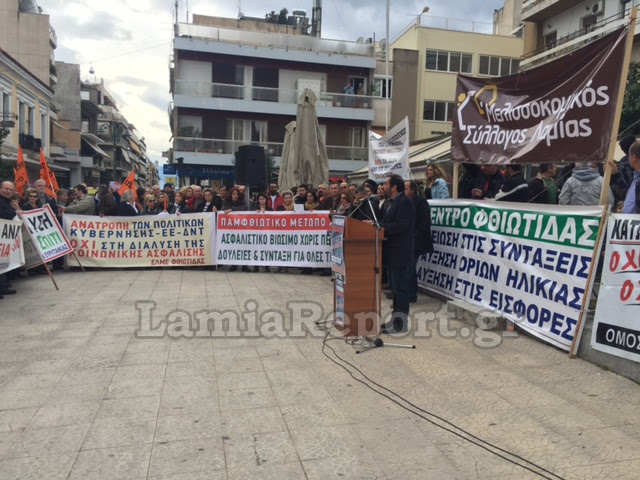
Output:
x,y
55,467
82,397
181,457
130,462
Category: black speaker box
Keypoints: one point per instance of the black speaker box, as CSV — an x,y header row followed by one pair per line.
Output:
x,y
251,167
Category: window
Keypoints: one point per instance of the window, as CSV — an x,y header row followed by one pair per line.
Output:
x,y
32,121
247,130
380,87
22,117
437,111
625,7
453,62
43,128
498,66
550,39
356,136
589,23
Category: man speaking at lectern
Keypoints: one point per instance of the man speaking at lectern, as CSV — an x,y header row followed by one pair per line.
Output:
x,y
397,251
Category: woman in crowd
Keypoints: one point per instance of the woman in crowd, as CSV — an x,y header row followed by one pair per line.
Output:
x,y
151,206
312,200
107,206
261,207
208,205
234,202
287,203
127,206
261,203
180,205
31,200
436,186
346,201
189,197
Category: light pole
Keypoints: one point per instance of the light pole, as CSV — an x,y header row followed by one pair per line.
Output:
x,y
116,130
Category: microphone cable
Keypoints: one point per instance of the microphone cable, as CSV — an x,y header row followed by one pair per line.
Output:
x,y
448,427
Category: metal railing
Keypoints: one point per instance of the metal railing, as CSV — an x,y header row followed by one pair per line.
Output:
x,y
267,94
601,25
223,146
455,24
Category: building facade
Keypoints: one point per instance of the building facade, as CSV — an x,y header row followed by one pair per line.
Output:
x,y
426,61
236,83
560,26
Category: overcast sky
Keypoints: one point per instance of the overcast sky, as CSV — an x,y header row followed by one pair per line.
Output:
x,y
128,43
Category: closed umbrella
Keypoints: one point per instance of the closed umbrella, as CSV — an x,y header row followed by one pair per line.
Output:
x,y
286,178
311,164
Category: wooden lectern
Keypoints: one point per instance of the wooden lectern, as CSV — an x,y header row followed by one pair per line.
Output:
x,y
361,288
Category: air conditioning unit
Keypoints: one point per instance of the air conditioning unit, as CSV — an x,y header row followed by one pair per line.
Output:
x,y
598,8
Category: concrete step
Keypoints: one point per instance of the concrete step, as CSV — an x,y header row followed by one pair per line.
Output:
x,y
475,315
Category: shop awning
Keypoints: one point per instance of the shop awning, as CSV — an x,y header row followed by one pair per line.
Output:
x,y
90,140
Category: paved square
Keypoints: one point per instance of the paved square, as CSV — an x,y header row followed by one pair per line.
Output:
x,y
83,397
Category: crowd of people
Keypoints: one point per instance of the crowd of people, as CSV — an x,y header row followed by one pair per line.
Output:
x,y
572,185
397,205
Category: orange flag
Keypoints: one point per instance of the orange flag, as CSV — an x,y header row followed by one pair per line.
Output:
x,y
46,174
129,184
21,176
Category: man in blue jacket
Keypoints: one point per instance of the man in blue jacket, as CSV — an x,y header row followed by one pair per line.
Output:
x,y
397,251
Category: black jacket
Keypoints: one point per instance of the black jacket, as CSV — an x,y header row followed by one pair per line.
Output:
x,y
7,212
422,240
366,211
399,228
514,189
126,210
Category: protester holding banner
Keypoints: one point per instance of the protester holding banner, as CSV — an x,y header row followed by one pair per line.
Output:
x,y
83,204
472,183
632,200
180,204
234,201
332,201
31,200
287,202
7,212
41,187
127,206
208,203
312,201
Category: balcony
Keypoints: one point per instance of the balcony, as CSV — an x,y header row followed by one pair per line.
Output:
x,y
246,98
573,41
53,38
539,10
29,142
229,147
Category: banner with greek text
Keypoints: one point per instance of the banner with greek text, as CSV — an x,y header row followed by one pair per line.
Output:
x,y
529,262
619,334
560,112
390,153
11,252
144,241
281,239
48,238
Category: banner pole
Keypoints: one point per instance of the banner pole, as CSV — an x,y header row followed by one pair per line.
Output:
x,y
573,351
46,267
606,180
616,117
73,252
454,180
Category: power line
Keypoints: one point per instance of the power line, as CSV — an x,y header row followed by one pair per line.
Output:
x,y
127,53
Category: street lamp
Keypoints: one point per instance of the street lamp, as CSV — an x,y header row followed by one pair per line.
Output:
x,y
424,10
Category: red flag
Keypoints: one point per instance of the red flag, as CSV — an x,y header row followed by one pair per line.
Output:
x,y
21,176
46,174
129,184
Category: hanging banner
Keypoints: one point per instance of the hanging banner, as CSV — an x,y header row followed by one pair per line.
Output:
x,y
561,111
530,263
11,252
390,153
144,241
43,228
619,334
280,239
